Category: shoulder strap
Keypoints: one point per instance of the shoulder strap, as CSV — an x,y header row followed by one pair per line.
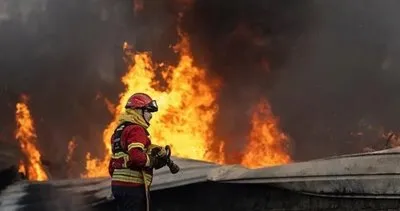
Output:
x,y
116,137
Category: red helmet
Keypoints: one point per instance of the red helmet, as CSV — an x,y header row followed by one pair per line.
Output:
x,y
142,101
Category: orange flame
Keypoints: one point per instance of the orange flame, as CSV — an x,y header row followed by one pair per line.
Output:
x,y
266,142
186,113
392,139
26,135
110,106
21,167
187,107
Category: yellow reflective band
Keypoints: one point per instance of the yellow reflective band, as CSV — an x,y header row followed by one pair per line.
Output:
x,y
128,179
148,178
127,175
126,158
118,155
135,145
123,155
128,172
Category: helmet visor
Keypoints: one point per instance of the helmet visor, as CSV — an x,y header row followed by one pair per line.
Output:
x,y
152,106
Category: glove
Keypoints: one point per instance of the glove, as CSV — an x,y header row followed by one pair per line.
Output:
x,y
158,156
157,162
157,151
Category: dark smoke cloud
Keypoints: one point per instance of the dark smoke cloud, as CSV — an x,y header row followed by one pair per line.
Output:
x,y
62,54
328,68
244,43
67,57
342,78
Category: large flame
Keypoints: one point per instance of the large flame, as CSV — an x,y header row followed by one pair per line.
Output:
x,y
187,106
266,144
26,135
186,114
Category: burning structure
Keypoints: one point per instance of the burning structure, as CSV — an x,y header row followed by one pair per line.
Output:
x,y
190,133
219,101
188,97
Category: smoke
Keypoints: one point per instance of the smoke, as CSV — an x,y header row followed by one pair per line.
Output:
x,y
67,57
62,54
342,78
244,43
328,68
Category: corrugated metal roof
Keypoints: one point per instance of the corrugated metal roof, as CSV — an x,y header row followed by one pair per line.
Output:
x,y
374,175
97,190
191,171
356,165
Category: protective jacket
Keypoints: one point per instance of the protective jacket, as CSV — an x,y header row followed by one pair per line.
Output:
x,y
129,164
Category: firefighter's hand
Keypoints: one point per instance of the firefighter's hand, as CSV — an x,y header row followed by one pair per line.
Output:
x,y
157,151
162,154
157,162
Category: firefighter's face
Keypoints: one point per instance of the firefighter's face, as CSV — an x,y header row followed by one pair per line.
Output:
x,y
147,115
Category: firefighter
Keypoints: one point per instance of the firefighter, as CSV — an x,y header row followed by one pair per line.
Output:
x,y
131,165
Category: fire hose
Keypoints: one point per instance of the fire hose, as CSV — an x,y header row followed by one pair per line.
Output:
x,y
155,150
164,154
173,168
